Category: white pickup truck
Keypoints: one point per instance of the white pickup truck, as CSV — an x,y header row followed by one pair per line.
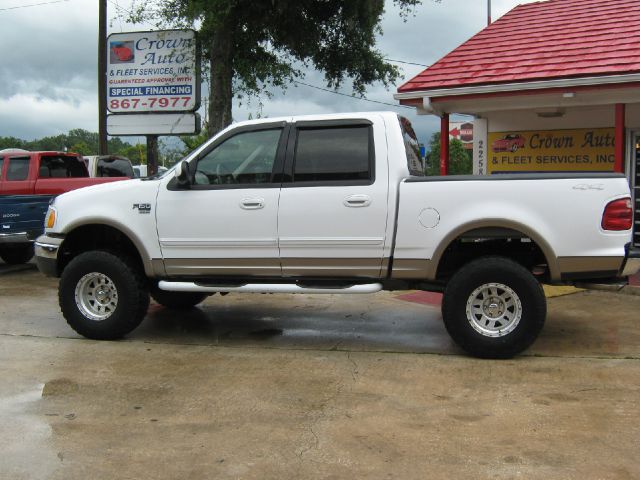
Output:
x,y
335,204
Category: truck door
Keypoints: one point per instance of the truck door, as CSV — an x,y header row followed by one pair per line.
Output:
x,y
17,180
333,206
226,223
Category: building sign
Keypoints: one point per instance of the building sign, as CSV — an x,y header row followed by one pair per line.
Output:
x,y
584,150
462,131
480,147
153,72
186,123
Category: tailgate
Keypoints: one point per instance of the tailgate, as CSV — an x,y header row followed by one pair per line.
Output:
x,y
23,213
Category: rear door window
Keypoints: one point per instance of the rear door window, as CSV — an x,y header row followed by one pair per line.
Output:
x,y
334,155
18,168
61,166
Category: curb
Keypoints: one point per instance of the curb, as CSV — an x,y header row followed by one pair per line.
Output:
x,y
621,289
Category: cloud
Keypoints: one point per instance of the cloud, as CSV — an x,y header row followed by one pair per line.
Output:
x,y
26,117
48,73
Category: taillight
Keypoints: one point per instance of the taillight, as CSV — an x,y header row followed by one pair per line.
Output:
x,y
618,215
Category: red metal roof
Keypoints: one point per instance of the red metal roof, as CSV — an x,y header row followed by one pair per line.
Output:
x,y
543,41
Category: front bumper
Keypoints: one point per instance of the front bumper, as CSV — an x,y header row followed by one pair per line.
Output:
x,y
16,237
631,263
46,250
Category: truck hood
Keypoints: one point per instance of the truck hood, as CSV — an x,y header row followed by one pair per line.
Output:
x,y
57,186
110,203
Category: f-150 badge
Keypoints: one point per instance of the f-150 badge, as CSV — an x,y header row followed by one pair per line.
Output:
x,y
142,207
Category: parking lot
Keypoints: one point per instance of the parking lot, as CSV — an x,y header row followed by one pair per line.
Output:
x,y
285,386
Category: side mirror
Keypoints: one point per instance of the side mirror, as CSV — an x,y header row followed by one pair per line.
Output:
x,y
184,175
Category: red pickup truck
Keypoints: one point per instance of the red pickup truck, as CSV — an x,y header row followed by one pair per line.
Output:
x,y
28,180
44,173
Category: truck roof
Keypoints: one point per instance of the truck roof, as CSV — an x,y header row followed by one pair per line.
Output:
x,y
13,151
313,117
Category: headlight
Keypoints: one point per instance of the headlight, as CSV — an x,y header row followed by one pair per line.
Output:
x,y
50,219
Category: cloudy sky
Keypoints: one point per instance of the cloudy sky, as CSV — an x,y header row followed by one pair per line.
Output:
x,y
48,73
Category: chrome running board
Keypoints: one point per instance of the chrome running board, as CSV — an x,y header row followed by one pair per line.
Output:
x,y
266,288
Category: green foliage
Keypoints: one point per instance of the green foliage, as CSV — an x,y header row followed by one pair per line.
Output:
x,y
252,44
136,153
460,159
192,142
12,142
82,148
77,141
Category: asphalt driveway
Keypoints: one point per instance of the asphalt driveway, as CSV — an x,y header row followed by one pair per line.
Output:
x,y
286,386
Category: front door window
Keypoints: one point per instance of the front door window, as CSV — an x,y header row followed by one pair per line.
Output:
x,y
244,159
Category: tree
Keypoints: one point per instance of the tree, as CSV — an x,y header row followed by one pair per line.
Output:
x,y
460,159
76,141
251,44
82,148
136,153
12,142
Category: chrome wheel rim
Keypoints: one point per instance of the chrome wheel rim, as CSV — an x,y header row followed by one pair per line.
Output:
x,y
494,310
96,296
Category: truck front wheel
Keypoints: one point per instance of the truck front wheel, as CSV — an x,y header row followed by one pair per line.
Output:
x,y
493,307
15,255
102,296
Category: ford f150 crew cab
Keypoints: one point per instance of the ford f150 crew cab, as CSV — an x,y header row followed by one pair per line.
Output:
x,y
335,204
28,181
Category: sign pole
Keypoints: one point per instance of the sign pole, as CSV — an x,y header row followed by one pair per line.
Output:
x,y
152,155
102,78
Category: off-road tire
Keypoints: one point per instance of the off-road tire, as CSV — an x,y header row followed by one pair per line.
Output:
x,y
130,285
15,255
176,300
462,292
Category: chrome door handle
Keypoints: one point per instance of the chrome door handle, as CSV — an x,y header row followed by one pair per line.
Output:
x,y
252,203
356,201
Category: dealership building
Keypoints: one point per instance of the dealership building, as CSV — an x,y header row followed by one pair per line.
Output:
x,y
553,86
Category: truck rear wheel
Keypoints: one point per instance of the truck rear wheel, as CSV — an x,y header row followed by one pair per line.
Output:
x,y
493,307
102,296
176,300
15,255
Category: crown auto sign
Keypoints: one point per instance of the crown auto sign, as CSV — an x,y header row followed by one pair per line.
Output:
x,y
153,72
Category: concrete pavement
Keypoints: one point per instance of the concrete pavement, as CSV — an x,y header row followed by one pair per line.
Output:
x,y
285,386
